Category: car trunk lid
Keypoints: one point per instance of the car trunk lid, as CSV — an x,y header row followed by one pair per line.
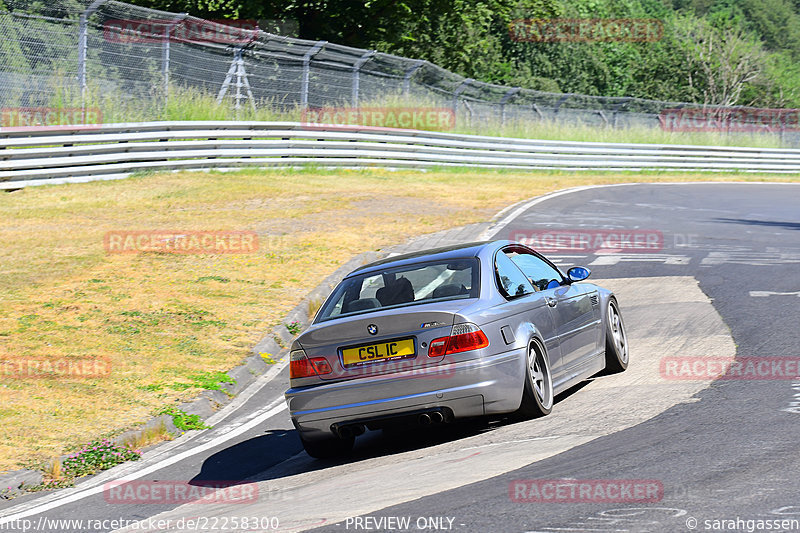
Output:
x,y
381,342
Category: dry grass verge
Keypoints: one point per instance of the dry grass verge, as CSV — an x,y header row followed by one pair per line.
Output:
x,y
170,324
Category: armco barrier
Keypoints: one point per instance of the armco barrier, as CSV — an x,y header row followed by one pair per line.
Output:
x,y
112,151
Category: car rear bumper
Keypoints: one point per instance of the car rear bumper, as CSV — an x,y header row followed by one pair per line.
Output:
x,y
469,388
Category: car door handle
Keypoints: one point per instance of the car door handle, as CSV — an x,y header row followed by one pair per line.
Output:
x,y
552,302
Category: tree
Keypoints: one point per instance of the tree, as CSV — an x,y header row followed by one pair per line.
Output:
x,y
717,51
208,9
721,62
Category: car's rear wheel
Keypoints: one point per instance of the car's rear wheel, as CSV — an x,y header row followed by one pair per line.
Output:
x,y
327,448
616,340
537,396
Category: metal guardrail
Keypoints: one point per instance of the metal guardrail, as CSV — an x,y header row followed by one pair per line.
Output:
x,y
113,151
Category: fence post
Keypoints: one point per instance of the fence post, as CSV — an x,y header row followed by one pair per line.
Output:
x,y
409,74
83,43
356,69
165,52
560,102
306,71
503,101
616,110
461,87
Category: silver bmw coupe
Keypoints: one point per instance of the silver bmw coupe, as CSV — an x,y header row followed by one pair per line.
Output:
x,y
425,338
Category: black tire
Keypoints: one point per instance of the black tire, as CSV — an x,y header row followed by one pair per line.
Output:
x,y
616,340
327,448
537,395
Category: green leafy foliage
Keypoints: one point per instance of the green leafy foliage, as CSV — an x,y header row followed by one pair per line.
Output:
x,y
182,420
471,37
211,380
293,327
97,456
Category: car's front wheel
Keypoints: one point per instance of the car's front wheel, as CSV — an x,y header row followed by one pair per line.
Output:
x,y
537,396
327,448
616,340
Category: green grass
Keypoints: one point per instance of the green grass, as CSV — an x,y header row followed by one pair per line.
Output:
x,y
182,103
559,131
183,421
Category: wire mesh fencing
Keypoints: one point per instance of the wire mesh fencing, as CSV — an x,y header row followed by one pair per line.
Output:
x,y
130,61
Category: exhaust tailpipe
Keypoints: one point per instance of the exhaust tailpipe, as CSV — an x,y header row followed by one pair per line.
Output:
x,y
348,432
437,417
425,419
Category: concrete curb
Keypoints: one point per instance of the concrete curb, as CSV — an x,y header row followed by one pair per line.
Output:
x,y
12,484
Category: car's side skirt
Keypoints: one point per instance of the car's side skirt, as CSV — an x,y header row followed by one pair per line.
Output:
x,y
584,369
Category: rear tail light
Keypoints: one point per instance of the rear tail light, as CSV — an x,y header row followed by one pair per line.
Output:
x,y
463,338
301,366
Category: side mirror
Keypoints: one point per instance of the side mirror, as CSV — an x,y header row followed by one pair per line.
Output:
x,y
578,273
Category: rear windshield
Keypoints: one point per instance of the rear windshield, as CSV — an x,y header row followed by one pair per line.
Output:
x,y
409,285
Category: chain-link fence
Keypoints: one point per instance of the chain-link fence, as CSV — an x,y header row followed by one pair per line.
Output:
x,y
64,49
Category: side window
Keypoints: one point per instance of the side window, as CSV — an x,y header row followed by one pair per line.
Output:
x,y
541,274
510,279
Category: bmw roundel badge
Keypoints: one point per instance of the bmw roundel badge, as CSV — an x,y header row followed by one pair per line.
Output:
x,y
372,329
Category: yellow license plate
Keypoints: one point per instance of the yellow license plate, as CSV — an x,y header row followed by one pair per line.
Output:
x,y
382,351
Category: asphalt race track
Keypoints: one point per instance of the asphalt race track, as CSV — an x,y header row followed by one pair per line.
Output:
x,y
721,282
